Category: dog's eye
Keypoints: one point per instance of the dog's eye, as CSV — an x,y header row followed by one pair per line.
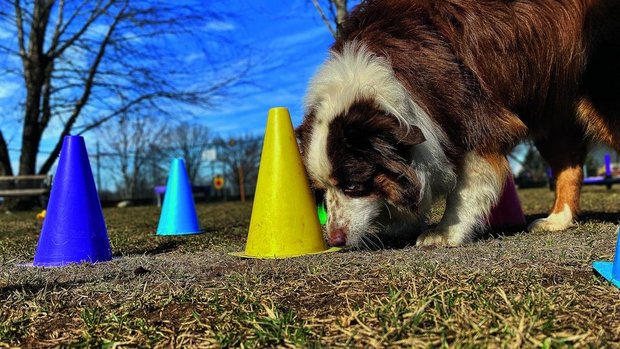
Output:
x,y
354,189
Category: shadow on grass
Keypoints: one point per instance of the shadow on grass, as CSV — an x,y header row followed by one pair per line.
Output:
x,y
396,243
164,246
499,232
37,287
376,243
150,246
603,217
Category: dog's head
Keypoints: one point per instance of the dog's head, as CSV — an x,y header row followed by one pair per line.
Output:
x,y
359,163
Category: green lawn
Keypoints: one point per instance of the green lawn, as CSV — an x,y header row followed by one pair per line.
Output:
x,y
516,290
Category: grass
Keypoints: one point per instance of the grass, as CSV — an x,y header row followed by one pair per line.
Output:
x,y
514,290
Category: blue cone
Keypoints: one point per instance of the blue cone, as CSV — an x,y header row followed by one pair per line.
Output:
x,y
178,214
610,270
74,230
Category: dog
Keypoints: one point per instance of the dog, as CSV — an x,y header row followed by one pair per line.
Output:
x,y
423,99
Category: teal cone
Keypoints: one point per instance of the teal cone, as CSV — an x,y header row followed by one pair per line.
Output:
x,y
178,214
610,270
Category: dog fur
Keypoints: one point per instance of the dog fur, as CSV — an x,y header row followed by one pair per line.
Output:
x,y
422,99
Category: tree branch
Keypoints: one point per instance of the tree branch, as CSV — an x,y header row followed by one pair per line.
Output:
x,y
20,31
93,17
73,16
59,19
47,165
324,18
122,110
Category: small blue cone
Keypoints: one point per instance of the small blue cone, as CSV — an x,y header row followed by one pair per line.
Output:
x,y
610,270
74,230
178,214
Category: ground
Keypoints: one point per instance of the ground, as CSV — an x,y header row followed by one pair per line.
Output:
x,y
508,290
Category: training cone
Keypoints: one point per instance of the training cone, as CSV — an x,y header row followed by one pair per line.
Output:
x,y
507,212
74,230
284,219
178,214
610,270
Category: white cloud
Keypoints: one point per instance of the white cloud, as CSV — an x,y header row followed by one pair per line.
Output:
x,y
98,30
192,57
8,89
219,26
4,34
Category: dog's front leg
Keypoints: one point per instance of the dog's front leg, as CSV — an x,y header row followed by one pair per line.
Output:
x,y
479,184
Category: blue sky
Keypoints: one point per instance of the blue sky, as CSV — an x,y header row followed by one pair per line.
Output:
x,y
292,36
288,37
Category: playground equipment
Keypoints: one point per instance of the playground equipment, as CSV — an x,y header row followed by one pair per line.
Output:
x,y
507,212
608,180
610,270
178,214
284,219
74,229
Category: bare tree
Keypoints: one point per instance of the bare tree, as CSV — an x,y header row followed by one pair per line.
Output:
x,y
337,12
85,62
241,157
131,148
189,142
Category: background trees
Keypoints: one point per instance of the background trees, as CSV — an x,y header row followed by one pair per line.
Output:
x,y
83,63
241,158
132,154
188,142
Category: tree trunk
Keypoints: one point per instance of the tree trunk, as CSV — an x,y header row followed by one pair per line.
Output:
x,y
5,159
30,147
35,64
35,67
341,14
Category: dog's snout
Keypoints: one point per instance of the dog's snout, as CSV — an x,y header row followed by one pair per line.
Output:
x,y
337,237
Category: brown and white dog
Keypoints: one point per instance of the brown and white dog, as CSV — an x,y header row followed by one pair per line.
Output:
x,y
424,98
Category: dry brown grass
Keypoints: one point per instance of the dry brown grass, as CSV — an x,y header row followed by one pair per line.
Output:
x,y
516,290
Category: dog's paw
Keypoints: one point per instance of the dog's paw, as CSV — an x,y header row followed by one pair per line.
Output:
x,y
439,238
549,224
555,222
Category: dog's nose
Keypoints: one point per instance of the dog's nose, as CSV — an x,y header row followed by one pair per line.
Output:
x,y
337,237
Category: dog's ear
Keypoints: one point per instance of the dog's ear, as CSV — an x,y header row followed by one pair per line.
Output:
x,y
403,134
299,133
398,181
410,136
400,189
302,132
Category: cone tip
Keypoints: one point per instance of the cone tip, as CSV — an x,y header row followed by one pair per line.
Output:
x,y
279,112
278,109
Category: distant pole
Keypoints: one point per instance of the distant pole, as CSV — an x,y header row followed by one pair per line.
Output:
x,y
154,172
241,186
607,165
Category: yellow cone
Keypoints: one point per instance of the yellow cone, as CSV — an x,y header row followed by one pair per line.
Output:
x,y
284,220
